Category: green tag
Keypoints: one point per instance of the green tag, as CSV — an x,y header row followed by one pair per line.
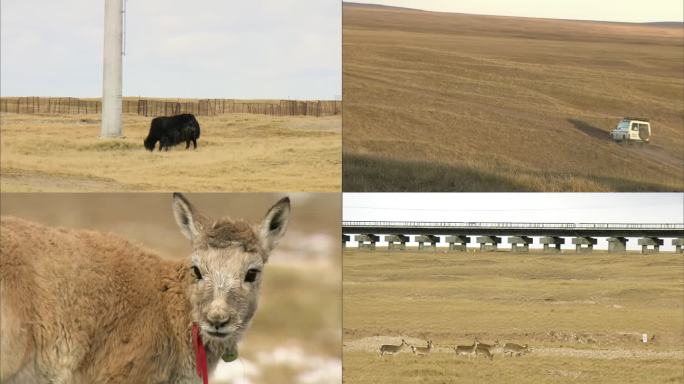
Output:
x,y
230,356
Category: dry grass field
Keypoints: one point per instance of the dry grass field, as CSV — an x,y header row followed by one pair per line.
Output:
x,y
236,152
455,102
582,316
295,335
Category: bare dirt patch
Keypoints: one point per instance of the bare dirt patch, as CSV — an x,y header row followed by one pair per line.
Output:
x,y
18,181
372,344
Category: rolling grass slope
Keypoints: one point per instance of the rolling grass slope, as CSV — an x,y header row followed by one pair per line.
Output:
x,y
454,102
582,315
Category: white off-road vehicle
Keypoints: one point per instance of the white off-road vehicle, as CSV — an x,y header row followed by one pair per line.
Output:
x,y
632,130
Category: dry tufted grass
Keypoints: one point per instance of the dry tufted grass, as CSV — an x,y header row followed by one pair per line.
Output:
x,y
583,316
236,153
453,102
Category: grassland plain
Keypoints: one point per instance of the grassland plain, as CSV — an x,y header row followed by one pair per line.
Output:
x,y
581,314
236,153
454,102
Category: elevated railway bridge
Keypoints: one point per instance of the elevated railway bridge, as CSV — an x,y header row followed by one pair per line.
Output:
x,y
457,235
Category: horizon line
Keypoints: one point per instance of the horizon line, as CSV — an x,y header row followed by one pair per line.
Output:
x,y
176,97
645,23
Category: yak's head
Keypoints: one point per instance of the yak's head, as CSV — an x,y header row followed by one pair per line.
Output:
x,y
149,143
228,259
193,122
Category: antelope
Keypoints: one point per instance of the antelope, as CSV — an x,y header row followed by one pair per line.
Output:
x,y
468,350
488,346
515,349
422,351
480,349
393,349
82,306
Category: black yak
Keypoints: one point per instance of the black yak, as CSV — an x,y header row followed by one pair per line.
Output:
x,y
173,130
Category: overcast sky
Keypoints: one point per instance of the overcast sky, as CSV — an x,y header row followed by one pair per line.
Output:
x,y
612,10
202,48
518,207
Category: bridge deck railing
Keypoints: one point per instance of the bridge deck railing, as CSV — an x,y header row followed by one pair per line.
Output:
x,y
513,225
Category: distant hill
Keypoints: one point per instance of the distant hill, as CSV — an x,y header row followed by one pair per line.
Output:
x,y
667,24
673,24
381,6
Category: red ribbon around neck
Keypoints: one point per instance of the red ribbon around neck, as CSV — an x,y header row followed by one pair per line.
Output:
x,y
200,354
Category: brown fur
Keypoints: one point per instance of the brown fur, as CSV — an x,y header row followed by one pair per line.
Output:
x,y
136,297
80,306
226,232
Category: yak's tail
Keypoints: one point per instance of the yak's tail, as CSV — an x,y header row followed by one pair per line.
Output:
x,y
198,129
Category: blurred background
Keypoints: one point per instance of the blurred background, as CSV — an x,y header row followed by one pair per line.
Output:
x,y
296,333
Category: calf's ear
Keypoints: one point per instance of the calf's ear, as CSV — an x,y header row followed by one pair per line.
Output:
x,y
186,217
274,224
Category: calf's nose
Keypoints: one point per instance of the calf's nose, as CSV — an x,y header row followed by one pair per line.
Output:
x,y
219,323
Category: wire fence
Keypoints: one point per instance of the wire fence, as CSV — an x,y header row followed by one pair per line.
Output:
x,y
157,107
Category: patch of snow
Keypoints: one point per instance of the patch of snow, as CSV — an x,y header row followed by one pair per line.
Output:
x,y
237,372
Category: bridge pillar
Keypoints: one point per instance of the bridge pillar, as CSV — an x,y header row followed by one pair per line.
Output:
x,y
584,244
678,243
396,242
552,243
488,243
432,241
617,244
367,241
345,238
458,242
520,243
647,242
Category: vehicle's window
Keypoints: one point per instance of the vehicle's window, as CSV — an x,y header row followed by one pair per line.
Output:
x,y
635,126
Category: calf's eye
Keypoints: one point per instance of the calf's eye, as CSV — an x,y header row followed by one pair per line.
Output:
x,y
251,275
196,272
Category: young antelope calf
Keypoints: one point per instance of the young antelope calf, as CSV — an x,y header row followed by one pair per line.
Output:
x,y
88,307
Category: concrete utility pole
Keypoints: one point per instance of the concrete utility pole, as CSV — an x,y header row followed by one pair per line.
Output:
x,y
112,62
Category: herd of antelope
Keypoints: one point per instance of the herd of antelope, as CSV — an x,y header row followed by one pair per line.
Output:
x,y
475,350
